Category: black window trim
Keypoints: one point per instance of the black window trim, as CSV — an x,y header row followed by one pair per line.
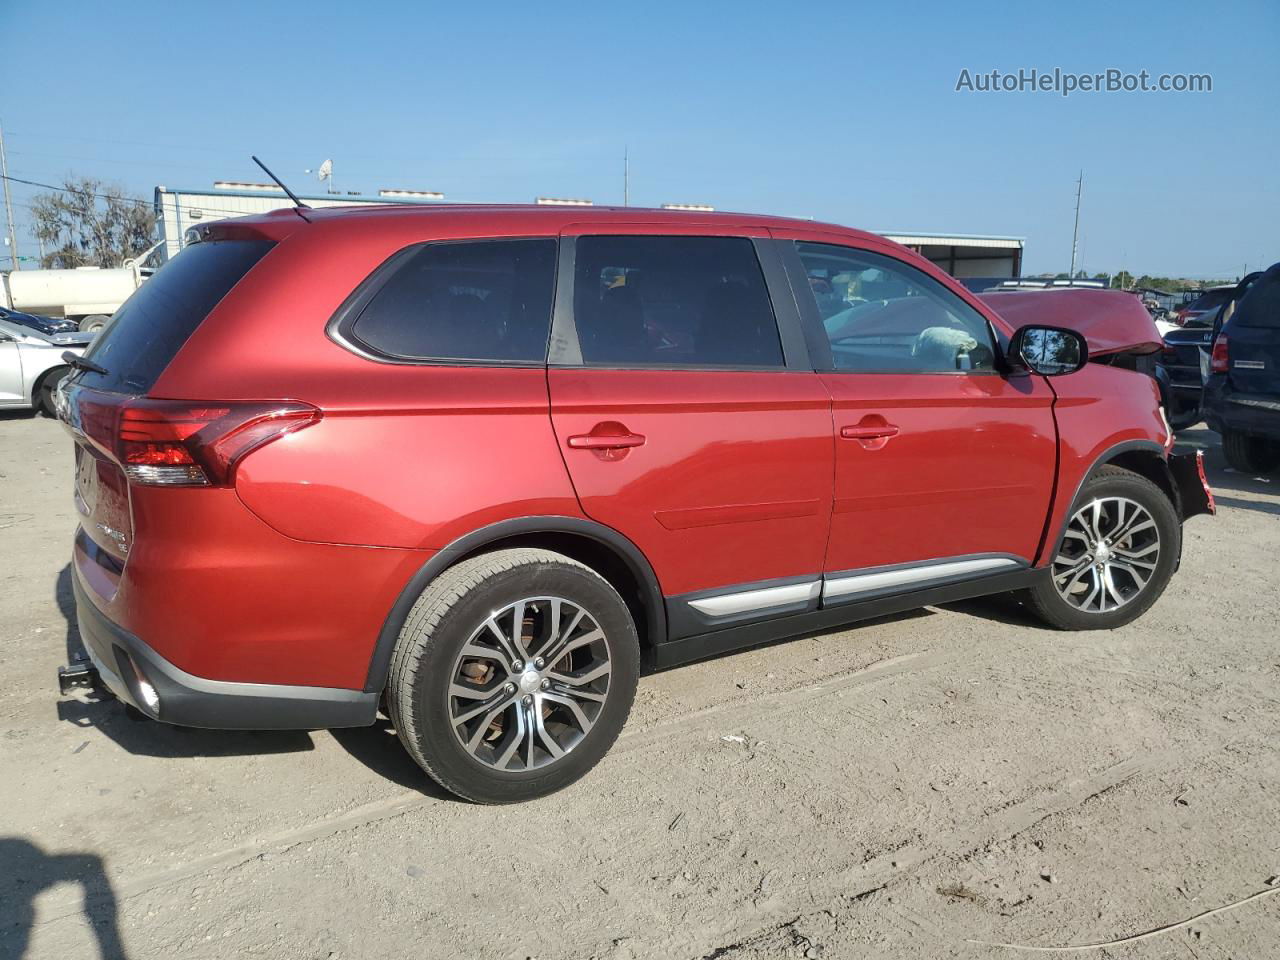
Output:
x,y
339,329
566,349
816,334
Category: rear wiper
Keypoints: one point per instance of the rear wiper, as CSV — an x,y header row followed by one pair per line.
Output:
x,y
80,363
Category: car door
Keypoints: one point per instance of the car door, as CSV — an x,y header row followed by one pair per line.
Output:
x,y
944,467
690,418
11,391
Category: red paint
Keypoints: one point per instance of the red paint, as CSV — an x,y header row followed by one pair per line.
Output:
x,y
967,467
1098,407
711,496
720,478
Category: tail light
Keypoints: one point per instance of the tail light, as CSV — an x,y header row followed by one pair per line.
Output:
x,y
175,444
1220,360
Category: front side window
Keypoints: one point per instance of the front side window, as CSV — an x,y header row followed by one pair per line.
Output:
x,y
479,301
883,316
648,301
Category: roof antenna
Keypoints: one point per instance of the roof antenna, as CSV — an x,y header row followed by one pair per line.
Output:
x,y
299,205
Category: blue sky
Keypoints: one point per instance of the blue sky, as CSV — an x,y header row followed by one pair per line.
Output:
x,y
840,111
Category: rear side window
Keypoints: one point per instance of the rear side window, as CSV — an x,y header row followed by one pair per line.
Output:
x,y
884,316
644,301
153,324
479,301
1260,305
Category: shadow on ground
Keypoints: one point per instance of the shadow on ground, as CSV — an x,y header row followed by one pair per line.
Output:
x,y
26,871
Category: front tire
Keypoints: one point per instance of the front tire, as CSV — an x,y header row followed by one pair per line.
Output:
x,y
1250,454
513,675
1115,558
44,392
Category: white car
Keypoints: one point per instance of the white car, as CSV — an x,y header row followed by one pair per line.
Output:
x,y
31,365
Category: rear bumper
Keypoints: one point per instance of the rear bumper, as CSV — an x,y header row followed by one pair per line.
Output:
x,y
1227,409
127,666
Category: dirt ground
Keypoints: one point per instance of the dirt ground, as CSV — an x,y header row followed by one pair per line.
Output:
x,y
905,789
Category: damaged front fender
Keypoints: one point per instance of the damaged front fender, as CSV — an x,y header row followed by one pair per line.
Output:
x,y
1194,495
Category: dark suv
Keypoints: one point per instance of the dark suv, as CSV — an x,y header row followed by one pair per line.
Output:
x,y
1242,394
477,464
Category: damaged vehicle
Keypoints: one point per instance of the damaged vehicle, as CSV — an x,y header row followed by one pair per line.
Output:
x,y
32,364
1120,332
474,466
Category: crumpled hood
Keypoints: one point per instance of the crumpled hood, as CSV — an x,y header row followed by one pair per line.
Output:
x,y
1111,321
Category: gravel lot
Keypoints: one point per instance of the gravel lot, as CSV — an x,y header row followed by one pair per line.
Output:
x,y
897,790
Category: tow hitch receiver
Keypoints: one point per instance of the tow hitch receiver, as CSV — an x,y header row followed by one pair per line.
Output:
x,y
80,675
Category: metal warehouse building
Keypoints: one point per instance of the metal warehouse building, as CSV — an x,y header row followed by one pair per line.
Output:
x,y
180,210
966,255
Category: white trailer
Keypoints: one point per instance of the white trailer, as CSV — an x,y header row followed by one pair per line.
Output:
x,y
88,295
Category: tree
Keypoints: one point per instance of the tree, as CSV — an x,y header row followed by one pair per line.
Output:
x,y
1122,280
91,223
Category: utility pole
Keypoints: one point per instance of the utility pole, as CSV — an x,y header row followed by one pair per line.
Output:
x,y
8,203
1075,233
626,178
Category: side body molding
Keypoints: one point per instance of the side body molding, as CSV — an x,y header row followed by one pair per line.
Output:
x,y
722,609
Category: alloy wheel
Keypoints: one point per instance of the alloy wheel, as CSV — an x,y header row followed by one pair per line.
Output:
x,y
1108,555
529,684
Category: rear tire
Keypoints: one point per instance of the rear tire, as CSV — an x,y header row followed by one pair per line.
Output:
x,y
470,698
94,323
1250,454
1120,547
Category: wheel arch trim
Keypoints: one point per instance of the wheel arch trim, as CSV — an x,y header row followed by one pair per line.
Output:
x,y
637,564
1106,457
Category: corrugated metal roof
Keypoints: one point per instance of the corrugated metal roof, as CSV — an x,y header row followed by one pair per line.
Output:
x,y
953,240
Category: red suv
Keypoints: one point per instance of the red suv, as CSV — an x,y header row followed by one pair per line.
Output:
x,y
478,464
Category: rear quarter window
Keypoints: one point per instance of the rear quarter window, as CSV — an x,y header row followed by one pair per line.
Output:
x,y
151,326
481,301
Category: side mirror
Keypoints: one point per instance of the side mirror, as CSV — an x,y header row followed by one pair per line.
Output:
x,y
1048,351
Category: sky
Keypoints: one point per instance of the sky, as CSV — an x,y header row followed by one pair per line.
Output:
x,y
840,111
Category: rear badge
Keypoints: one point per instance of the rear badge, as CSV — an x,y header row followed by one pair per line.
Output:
x,y
116,537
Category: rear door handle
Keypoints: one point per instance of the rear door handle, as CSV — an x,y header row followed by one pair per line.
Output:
x,y
869,432
594,441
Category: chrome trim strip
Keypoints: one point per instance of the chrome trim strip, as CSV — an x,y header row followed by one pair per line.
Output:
x,y
726,605
857,583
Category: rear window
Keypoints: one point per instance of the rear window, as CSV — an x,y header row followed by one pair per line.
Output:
x,y
1211,300
153,324
479,301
